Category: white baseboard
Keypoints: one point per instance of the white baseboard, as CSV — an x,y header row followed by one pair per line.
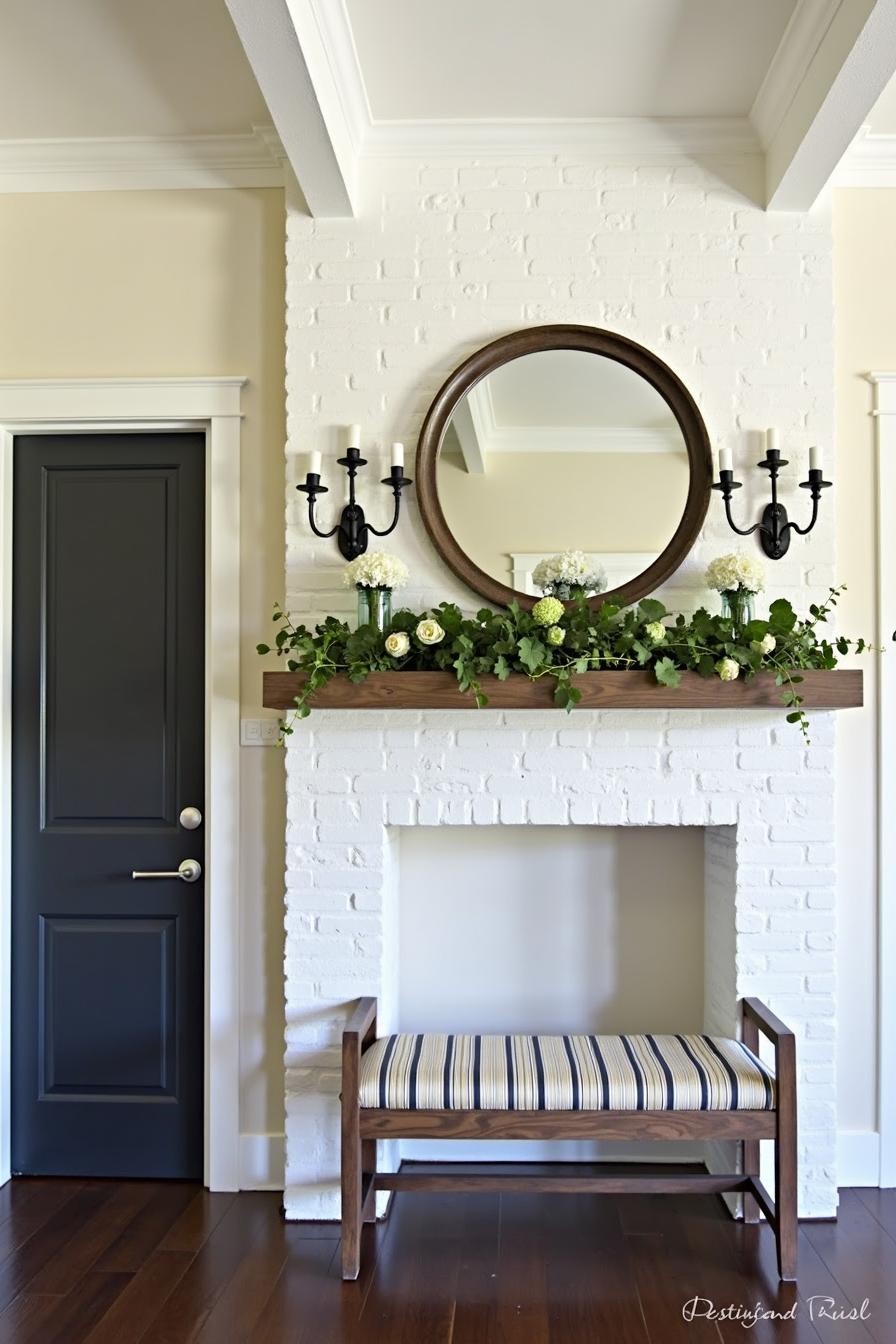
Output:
x,y
858,1157
262,1161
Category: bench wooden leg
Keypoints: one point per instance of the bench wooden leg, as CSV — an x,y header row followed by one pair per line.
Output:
x,y
787,1228
750,1164
361,1028
351,1184
368,1169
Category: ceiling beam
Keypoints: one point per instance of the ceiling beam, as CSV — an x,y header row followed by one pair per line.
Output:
x,y
470,446
833,63
283,42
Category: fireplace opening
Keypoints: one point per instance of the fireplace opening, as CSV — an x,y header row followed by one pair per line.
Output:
x,y
552,930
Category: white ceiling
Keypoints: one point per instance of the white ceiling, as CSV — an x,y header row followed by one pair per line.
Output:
x,y
432,60
882,118
95,68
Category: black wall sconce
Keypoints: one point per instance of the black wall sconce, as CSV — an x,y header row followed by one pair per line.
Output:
x,y
774,528
352,531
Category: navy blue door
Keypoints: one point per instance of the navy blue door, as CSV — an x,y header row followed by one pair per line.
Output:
x,y
108,748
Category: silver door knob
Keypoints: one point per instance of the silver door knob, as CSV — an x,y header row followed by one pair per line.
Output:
x,y
189,871
190,818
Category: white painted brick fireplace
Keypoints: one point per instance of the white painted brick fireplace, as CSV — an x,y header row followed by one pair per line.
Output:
x,y
355,776
445,256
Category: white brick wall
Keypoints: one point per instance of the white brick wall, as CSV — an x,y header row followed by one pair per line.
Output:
x,y
444,257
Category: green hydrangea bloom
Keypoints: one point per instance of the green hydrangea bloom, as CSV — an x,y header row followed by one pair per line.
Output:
x,y
548,611
655,631
556,635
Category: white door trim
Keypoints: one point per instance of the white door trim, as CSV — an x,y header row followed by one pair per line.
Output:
x,y
212,406
885,421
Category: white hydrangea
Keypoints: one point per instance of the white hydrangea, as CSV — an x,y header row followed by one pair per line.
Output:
x,y
729,572
558,575
375,569
728,669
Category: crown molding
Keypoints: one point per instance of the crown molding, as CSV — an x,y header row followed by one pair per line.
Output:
x,y
606,137
802,37
870,161
140,163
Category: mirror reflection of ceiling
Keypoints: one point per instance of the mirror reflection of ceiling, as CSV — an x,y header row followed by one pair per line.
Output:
x,y
562,450
486,58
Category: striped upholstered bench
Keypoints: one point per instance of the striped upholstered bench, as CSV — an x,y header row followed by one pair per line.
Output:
x,y
569,1087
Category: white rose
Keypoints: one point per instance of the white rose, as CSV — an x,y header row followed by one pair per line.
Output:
x,y
728,669
398,644
767,644
430,632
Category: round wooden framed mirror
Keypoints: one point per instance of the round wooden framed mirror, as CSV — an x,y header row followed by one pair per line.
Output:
x,y
563,438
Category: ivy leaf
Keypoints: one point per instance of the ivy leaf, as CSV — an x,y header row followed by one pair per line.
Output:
x,y
667,674
502,668
532,653
651,610
781,616
262,648
566,696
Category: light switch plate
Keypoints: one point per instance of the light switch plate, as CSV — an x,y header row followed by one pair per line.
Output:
x,y
259,732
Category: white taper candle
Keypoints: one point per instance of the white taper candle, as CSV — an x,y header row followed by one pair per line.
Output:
x,y
771,440
314,464
398,455
354,436
815,459
725,460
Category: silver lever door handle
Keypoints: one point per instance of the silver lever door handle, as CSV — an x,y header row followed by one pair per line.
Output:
x,y
189,871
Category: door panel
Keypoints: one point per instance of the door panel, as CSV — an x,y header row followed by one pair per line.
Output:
x,y
108,746
134,516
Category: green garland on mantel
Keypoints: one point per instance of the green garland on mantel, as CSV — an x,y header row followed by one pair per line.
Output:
x,y
559,640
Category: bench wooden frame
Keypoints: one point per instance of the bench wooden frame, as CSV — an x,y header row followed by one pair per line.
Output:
x,y
361,1127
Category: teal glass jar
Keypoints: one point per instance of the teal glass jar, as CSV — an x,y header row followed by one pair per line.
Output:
x,y
374,607
737,606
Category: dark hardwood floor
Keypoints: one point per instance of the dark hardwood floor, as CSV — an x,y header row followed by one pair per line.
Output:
x,y
139,1262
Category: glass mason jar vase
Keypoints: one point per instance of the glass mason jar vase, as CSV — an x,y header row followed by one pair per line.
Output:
x,y
737,606
374,607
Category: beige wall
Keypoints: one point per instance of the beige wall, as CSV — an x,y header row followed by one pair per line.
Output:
x,y
865,280
170,284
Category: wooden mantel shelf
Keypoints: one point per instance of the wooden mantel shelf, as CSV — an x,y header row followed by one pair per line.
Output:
x,y
840,689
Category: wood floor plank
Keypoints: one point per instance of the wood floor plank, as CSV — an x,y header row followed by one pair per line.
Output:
x,y
40,1201
24,1263
137,1306
666,1275
521,1310
64,1271
51,1319
412,1294
197,1222
881,1204
140,1237
590,1295
861,1256
245,1296
736,1274
477,1270
305,1304
190,1304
